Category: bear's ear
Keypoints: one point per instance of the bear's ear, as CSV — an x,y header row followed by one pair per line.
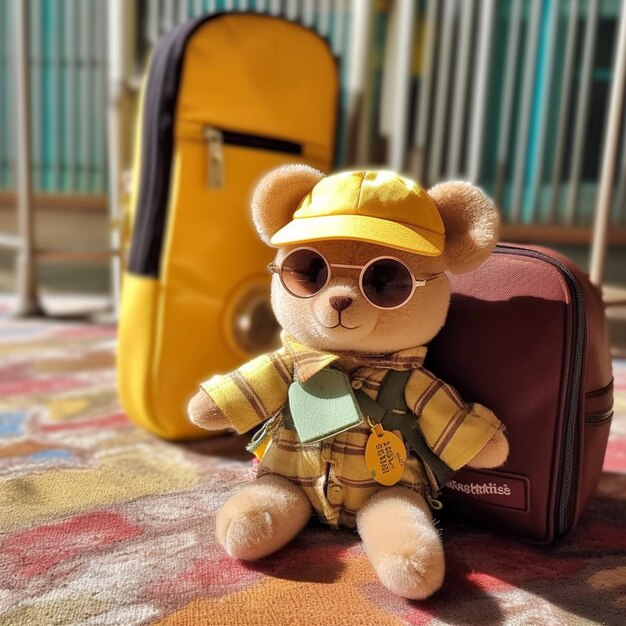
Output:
x,y
278,195
472,224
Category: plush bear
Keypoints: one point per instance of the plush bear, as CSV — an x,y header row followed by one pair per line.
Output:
x,y
354,427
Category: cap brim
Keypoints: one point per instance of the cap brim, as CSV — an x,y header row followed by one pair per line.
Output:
x,y
360,228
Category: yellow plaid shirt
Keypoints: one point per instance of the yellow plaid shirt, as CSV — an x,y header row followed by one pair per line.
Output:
x,y
332,472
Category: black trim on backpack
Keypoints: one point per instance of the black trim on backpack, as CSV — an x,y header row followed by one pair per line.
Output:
x,y
159,102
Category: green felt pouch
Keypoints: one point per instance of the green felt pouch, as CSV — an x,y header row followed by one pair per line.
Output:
x,y
323,406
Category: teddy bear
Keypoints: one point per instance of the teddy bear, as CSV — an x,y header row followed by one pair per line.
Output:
x,y
352,426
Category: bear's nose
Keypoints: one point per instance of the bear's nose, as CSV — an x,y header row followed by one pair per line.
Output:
x,y
340,303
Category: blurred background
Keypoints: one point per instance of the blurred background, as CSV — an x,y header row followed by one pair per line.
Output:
x,y
523,97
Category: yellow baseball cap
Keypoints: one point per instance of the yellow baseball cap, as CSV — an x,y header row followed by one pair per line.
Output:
x,y
378,207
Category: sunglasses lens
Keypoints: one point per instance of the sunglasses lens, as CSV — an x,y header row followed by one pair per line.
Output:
x,y
304,273
387,283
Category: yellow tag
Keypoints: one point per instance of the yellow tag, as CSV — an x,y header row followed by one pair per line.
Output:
x,y
259,451
385,456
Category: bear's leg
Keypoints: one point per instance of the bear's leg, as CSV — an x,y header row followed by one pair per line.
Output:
x,y
402,542
262,517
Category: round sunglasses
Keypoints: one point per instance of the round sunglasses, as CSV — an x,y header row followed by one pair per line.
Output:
x,y
386,282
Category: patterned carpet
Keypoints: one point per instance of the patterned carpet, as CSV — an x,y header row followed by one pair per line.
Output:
x,y
102,524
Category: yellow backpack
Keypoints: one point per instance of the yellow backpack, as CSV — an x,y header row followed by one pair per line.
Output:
x,y
226,99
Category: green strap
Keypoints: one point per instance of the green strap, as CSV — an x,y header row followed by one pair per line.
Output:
x,y
370,407
392,412
391,393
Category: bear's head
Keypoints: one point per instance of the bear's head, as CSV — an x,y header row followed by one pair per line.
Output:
x,y
362,256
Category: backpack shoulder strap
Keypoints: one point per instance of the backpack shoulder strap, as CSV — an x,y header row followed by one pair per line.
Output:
x,y
394,414
391,393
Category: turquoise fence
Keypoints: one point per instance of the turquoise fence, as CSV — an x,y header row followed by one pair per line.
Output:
x,y
68,96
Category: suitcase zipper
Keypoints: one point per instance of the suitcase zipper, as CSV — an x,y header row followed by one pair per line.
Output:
x,y
217,138
568,482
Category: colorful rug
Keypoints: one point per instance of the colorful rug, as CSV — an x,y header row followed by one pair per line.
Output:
x,y
102,524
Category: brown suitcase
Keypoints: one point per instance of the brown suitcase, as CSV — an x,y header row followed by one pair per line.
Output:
x,y
527,337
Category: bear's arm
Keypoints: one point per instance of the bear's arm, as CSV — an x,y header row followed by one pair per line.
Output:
x,y
205,413
457,432
494,453
246,397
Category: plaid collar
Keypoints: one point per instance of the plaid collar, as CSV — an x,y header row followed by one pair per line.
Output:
x,y
308,361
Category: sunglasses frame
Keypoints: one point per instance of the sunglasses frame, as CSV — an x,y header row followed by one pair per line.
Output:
x,y
277,268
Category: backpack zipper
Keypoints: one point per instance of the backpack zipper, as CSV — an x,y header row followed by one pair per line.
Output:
x,y
579,327
217,138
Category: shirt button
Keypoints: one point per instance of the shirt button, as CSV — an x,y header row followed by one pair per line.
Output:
x,y
334,494
356,384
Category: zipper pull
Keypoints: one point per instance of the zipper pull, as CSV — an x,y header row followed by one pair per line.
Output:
x,y
215,148
435,505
